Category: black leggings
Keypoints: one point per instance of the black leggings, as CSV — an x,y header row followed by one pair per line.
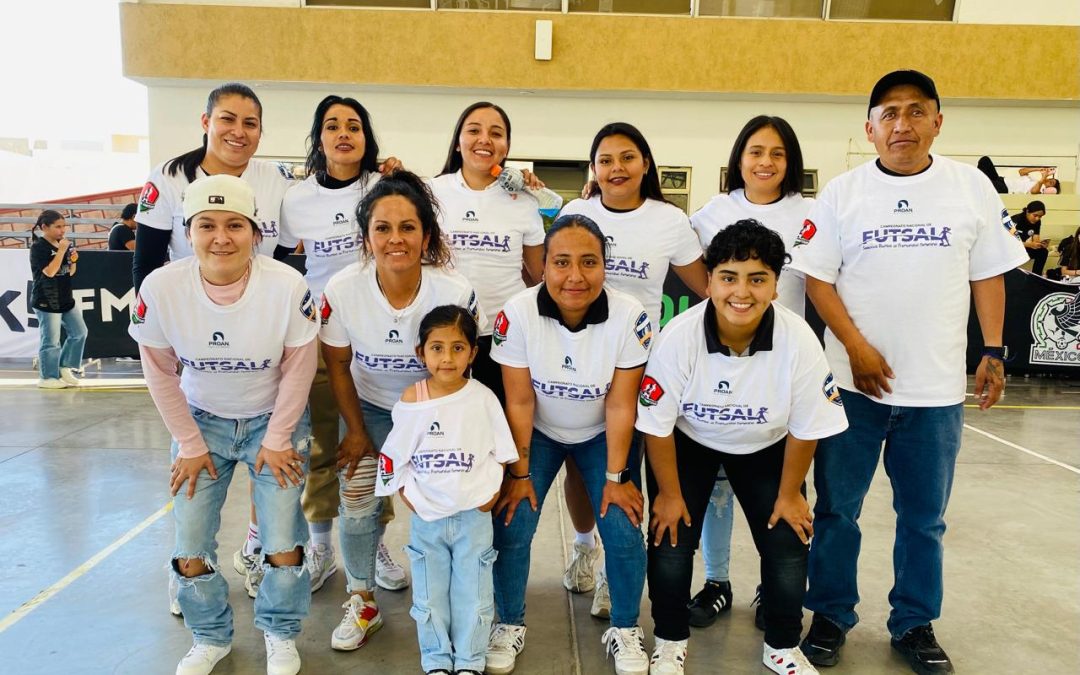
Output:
x,y
486,371
755,479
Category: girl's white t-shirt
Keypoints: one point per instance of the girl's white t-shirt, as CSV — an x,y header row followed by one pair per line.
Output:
x,y
447,452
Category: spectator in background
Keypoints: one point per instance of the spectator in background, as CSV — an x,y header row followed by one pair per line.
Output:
x,y
1028,223
52,264
122,234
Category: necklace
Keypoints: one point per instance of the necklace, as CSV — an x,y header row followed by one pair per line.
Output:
x,y
394,311
243,287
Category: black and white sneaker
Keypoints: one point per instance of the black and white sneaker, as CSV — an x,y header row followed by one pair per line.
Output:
x,y
710,602
823,642
627,646
922,651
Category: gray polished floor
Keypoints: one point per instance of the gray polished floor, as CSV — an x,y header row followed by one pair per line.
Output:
x,y
84,540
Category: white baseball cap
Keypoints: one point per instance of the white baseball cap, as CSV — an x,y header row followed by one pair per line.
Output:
x,y
221,192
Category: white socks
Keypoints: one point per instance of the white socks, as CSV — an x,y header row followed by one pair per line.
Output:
x,y
588,539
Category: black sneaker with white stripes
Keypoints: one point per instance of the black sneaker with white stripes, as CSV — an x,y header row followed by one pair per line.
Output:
x,y
712,601
922,651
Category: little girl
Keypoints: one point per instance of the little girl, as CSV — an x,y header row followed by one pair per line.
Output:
x,y
444,457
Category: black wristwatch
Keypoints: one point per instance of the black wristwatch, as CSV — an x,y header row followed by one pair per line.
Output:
x,y
619,477
999,353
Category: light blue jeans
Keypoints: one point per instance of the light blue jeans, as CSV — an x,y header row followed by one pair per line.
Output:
x,y
452,595
51,357
360,510
624,545
285,592
920,447
716,530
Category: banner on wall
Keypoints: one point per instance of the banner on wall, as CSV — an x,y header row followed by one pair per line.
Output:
x,y
18,325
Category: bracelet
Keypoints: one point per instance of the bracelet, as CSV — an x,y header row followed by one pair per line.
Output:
x,y
999,353
516,477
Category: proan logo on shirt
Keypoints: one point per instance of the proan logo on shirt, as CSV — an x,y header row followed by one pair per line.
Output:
x,y
393,338
568,364
470,217
902,206
435,430
218,340
722,387
340,219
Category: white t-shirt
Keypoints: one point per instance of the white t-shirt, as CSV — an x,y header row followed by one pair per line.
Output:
x,y
901,251
356,314
447,452
487,230
231,353
739,404
784,217
571,371
161,204
643,243
325,220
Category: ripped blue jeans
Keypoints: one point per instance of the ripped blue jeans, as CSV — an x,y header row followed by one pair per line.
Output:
x,y
285,592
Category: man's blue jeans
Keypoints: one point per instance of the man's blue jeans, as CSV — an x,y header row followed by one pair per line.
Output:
x,y
920,446
51,356
624,545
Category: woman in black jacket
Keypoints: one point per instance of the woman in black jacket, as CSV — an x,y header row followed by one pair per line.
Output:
x,y
52,263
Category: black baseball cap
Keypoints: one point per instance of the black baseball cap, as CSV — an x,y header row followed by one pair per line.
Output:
x,y
901,77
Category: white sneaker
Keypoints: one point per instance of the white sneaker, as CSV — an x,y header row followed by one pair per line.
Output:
x,y
504,644
174,590
790,661
52,383
321,565
201,659
281,656
361,620
668,658
627,645
389,574
580,576
68,376
248,566
601,599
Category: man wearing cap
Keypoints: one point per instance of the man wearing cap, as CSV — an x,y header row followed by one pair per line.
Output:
x,y
890,250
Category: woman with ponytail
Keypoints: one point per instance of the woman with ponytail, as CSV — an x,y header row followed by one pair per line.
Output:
x,y
232,128
52,263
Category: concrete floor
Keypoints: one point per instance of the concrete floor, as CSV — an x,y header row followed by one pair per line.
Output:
x,y
85,540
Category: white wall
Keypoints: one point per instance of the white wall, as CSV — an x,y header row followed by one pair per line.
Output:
x,y
1037,12
416,128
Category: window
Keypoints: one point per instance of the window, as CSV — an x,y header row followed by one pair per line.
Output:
x,y
387,4
525,5
893,10
675,184
632,6
801,9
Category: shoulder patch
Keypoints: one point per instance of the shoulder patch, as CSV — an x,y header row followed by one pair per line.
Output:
x,y
831,391
148,198
502,325
386,469
651,391
138,313
643,330
325,311
809,229
307,306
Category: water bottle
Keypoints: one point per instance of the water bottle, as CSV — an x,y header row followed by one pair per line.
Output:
x,y
512,180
